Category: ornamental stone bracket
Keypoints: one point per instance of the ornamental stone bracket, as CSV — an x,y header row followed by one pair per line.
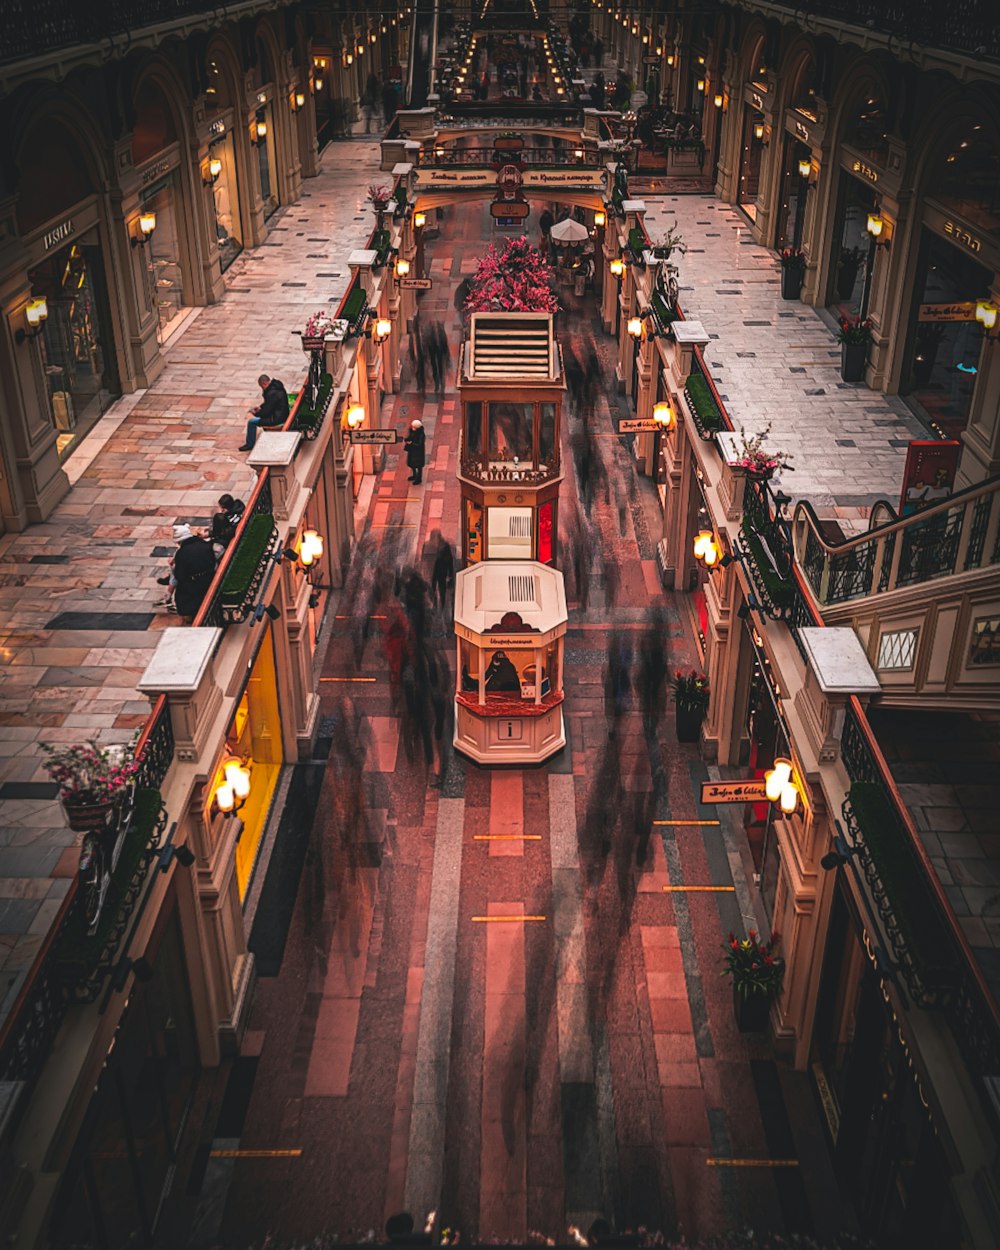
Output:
x,y
733,481
836,669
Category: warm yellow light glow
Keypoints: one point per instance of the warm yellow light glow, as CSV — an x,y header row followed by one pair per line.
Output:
x,y
419,220
776,778
701,84
758,130
718,101
789,798
350,58
300,100
670,60
876,224
711,553
261,129
355,416
225,799
600,217
805,167
986,314
617,267
634,327
383,328
663,415
402,268
578,153
701,541
36,312
147,224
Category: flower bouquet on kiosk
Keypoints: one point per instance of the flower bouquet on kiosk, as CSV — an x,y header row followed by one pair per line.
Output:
x,y
757,974
92,781
691,695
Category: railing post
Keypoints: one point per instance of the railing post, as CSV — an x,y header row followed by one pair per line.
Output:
x,y
968,512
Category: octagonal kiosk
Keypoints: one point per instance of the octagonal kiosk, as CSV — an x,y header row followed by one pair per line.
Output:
x,y
510,621
511,385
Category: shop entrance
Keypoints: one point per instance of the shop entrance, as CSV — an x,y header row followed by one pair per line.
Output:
x,y
853,252
226,201
76,347
768,741
254,737
751,149
791,218
163,255
943,356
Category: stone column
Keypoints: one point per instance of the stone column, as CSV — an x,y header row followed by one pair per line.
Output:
x,y
981,436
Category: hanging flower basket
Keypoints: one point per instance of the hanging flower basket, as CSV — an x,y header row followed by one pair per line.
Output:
x,y
92,780
319,325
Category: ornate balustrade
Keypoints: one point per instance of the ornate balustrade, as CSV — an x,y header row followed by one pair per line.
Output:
x,y
965,25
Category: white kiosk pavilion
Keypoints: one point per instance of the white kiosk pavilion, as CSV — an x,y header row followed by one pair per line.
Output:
x,y
510,621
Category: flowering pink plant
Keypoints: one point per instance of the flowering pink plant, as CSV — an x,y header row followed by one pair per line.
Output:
x,y
378,196
89,773
516,279
318,326
753,457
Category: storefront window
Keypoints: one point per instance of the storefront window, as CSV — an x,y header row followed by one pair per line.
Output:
x,y
75,344
853,249
750,157
474,430
791,218
767,741
509,532
228,229
547,434
163,253
265,163
254,736
510,432
869,133
473,531
944,355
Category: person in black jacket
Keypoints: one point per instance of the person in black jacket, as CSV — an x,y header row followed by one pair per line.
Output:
x,y
272,411
414,444
225,521
194,568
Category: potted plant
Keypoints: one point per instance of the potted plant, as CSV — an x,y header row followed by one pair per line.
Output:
x,y
378,197
664,246
853,335
756,973
847,271
691,694
91,778
793,268
319,325
755,460
929,336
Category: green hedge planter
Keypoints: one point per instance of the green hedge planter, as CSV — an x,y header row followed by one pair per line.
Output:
x,y
76,953
354,305
926,936
247,564
704,409
779,591
308,420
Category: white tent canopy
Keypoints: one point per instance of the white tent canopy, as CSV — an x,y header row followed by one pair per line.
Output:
x,y
569,231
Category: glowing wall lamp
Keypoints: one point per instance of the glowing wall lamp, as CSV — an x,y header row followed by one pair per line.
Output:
x,y
986,314
706,548
402,267
381,329
145,226
718,101
600,217
258,133
233,792
758,131
634,327
298,101
664,416
876,228
311,546
805,167
701,85
354,417
36,313
780,787
213,169
419,220
617,266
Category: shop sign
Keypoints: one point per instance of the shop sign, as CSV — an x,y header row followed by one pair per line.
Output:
x,y
509,210
563,177
512,642
651,59
733,792
948,312
368,438
637,425
954,231
56,235
929,473
436,177
864,171
415,284
156,170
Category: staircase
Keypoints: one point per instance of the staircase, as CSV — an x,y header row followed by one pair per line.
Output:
x,y
922,593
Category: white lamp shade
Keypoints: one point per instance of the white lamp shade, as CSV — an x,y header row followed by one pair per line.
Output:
x,y
225,799
777,778
663,415
36,312
875,224
789,798
986,314
147,224
355,416
635,327
241,783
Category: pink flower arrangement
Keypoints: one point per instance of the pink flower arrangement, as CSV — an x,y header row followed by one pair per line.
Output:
x,y
516,279
319,325
755,459
89,773
378,196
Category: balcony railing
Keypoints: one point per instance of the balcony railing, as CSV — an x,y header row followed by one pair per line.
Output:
x,y
480,157
222,606
964,25
31,27
956,535
928,944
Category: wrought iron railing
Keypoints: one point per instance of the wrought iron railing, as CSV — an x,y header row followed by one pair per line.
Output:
x,y
964,25
212,611
33,26
959,534
765,545
480,157
955,983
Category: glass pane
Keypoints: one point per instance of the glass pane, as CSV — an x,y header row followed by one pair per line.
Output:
x,y
503,675
473,531
510,533
474,429
547,435
545,532
510,432
228,230
470,667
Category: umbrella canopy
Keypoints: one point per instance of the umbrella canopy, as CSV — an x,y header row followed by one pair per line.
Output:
x,y
569,231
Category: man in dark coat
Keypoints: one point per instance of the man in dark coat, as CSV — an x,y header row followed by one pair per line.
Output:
x,y
272,411
194,568
443,576
414,444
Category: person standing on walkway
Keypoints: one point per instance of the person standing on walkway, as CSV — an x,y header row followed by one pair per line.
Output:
x,y
414,443
545,223
653,670
270,412
390,100
369,102
194,568
443,575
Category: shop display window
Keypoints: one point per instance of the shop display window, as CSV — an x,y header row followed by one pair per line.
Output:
x,y
509,531
474,430
510,433
228,229
473,531
266,165
547,454
545,534
854,250
751,151
77,356
162,254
